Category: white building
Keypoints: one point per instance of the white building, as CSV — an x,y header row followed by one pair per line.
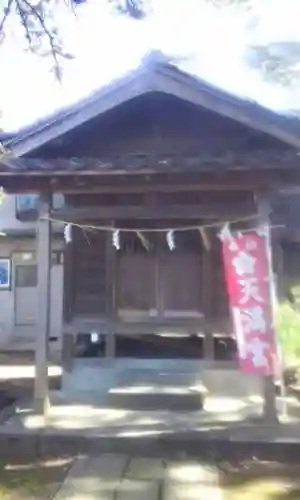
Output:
x,y
18,275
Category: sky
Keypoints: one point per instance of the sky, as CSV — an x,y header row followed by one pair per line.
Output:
x,y
210,42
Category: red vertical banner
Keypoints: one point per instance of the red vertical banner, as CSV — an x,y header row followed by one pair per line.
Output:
x,y
248,277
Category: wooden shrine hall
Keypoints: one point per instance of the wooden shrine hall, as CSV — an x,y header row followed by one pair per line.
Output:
x,y
150,167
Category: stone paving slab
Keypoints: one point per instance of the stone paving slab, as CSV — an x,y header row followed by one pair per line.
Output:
x,y
196,491
107,466
118,477
91,478
87,489
190,480
133,489
189,472
146,468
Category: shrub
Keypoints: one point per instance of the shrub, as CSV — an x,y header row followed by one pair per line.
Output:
x,y
288,332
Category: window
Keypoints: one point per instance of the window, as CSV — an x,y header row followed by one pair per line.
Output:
x,y
5,269
26,276
27,202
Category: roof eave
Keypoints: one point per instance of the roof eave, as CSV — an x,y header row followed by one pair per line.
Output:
x,y
109,98
161,78
187,87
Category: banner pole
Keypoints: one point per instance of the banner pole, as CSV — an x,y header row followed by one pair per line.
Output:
x,y
269,389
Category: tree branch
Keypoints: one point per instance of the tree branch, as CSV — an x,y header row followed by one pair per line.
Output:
x,y
39,17
24,24
6,14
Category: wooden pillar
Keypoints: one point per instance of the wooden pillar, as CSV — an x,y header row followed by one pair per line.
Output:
x,y
207,284
159,279
269,389
111,257
69,270
68,338
278,264
41,389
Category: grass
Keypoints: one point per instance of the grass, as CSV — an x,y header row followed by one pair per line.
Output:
x,y
256,480
32,481
288,328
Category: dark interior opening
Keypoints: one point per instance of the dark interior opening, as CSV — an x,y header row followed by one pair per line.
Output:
x,y
157,347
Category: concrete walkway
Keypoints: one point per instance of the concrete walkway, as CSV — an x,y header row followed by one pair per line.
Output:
x,y
119,477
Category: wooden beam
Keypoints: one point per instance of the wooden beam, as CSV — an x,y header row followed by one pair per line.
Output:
x,y
41,389
135,326
172,185
213,179
214,210
152,185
